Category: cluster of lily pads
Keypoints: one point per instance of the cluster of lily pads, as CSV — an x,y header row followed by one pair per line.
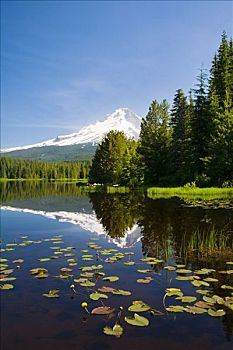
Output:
x,y
86,284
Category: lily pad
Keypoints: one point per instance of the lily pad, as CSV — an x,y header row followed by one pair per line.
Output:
x,y
202,291
137,320
102,310
225,286
195,310
170,268
111,278
144,280
217,313
186,299
170,292
175,308
139,306
6,286
117,330
200,283
183,271
129,263
105,289
52,294
209,300
121,292
144,271
97,296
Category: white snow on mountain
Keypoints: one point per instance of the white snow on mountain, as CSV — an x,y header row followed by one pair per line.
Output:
x,y
121,119
88,222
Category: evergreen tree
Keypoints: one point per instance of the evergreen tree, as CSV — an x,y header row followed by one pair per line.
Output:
x,y
200,127
154,143
111,157
220,158
180,138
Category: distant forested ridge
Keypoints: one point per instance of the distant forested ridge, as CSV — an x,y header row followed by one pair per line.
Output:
x,y
80,152
27,169
190,142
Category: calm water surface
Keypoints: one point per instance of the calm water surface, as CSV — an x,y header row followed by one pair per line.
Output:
x,y
163,228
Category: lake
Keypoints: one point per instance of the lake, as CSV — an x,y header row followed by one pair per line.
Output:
x,y
174,258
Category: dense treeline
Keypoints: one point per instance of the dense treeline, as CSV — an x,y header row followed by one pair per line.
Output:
x,y
190,142
27,169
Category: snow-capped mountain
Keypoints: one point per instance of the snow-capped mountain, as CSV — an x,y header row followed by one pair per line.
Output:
x,y
88,222
121,119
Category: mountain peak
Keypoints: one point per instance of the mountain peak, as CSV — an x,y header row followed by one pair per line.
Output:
x,y
122,119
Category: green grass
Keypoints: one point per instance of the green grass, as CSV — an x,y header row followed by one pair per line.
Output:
x,y
212,243
119,189
190,192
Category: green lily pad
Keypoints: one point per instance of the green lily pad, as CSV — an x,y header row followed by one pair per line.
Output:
x,y
7,272
200,283
210,279
144,280
87,283
144,271
209,300
91,268
230,306
195,310
6,286
137,320
202,291
183,271
129,263
139,306
186,299
97,296
170,292
111,278
227,272
121,292
170,268
175,308
217,313
184,278
117,330
225,286
52,294
7,279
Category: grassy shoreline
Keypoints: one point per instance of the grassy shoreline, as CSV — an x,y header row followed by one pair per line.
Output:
x,y
190,192
152,192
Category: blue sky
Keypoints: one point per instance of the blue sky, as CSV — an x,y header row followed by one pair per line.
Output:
x,y
68,63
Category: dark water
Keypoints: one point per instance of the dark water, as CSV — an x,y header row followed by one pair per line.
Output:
x,y
167,229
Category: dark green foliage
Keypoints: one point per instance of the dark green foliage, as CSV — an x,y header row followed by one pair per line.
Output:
x,y
111,163
27,169
220,160
180,144
154,143
200,127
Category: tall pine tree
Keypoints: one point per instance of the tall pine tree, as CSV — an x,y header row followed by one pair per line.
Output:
x,y
154,142
180,138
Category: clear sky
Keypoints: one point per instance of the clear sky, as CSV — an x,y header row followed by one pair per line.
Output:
x,y
68,63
